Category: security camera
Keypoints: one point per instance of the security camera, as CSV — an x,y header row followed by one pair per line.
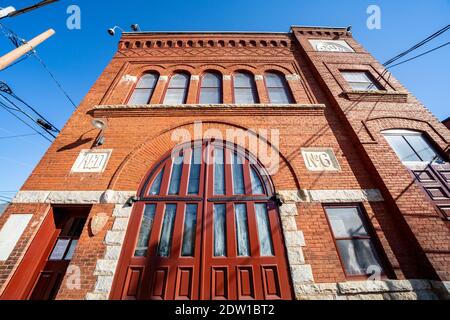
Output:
x,y
349,29
135,27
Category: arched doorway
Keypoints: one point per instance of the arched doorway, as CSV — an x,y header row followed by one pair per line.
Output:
x,y
205,227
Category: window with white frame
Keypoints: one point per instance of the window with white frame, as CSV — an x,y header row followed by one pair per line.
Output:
x,y
278,88
412,146
245,91
178,89
144,89
361,81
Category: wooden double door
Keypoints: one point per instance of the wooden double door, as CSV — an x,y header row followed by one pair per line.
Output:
x,y
206,227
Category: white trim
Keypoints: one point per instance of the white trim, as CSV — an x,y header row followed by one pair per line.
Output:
x,y
73,197
402,131
290,197
121,197
292,77
11,233
340,196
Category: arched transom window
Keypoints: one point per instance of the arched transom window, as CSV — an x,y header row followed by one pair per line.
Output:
x,y
278,89
144,89
177,90
205,222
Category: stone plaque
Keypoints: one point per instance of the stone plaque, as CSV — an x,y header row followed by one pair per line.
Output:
x,y
91,161
331,46
320,159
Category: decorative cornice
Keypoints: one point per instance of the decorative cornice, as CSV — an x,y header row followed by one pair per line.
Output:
x,y
322,31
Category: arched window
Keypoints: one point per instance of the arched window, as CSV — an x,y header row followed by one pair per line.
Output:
x,y
178,89
204,204
144,89
412,146
245,89
211,89
278,89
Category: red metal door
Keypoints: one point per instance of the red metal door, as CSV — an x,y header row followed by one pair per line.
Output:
x,y
204,228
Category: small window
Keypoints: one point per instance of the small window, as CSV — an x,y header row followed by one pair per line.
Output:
x,y
178,89
412,146
361,81
211,89
354,242
245,89
144,89
278,89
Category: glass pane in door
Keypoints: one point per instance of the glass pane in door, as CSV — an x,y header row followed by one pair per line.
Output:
x,y
165,242
263,224
189,233
220,231
243,242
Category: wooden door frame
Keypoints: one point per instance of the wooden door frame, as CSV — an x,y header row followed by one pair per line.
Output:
x,y
131,236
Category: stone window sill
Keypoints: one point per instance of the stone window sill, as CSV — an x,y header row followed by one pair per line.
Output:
x,y
204,109
376,96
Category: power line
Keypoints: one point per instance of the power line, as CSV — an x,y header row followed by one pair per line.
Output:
x,y
30,8
41,124
24,122
54,78
420,55
6,89
418,45
18,136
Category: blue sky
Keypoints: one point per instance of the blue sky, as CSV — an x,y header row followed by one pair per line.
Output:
x,y
78,57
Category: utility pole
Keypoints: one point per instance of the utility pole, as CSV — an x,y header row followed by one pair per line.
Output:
x,y
12,56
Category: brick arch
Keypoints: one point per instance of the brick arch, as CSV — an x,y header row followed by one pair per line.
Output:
x,y
277,68
181,68
246,67
376,125
214,67
142,69
136,165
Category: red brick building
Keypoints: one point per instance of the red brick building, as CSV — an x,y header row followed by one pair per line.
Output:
x,y
237,166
